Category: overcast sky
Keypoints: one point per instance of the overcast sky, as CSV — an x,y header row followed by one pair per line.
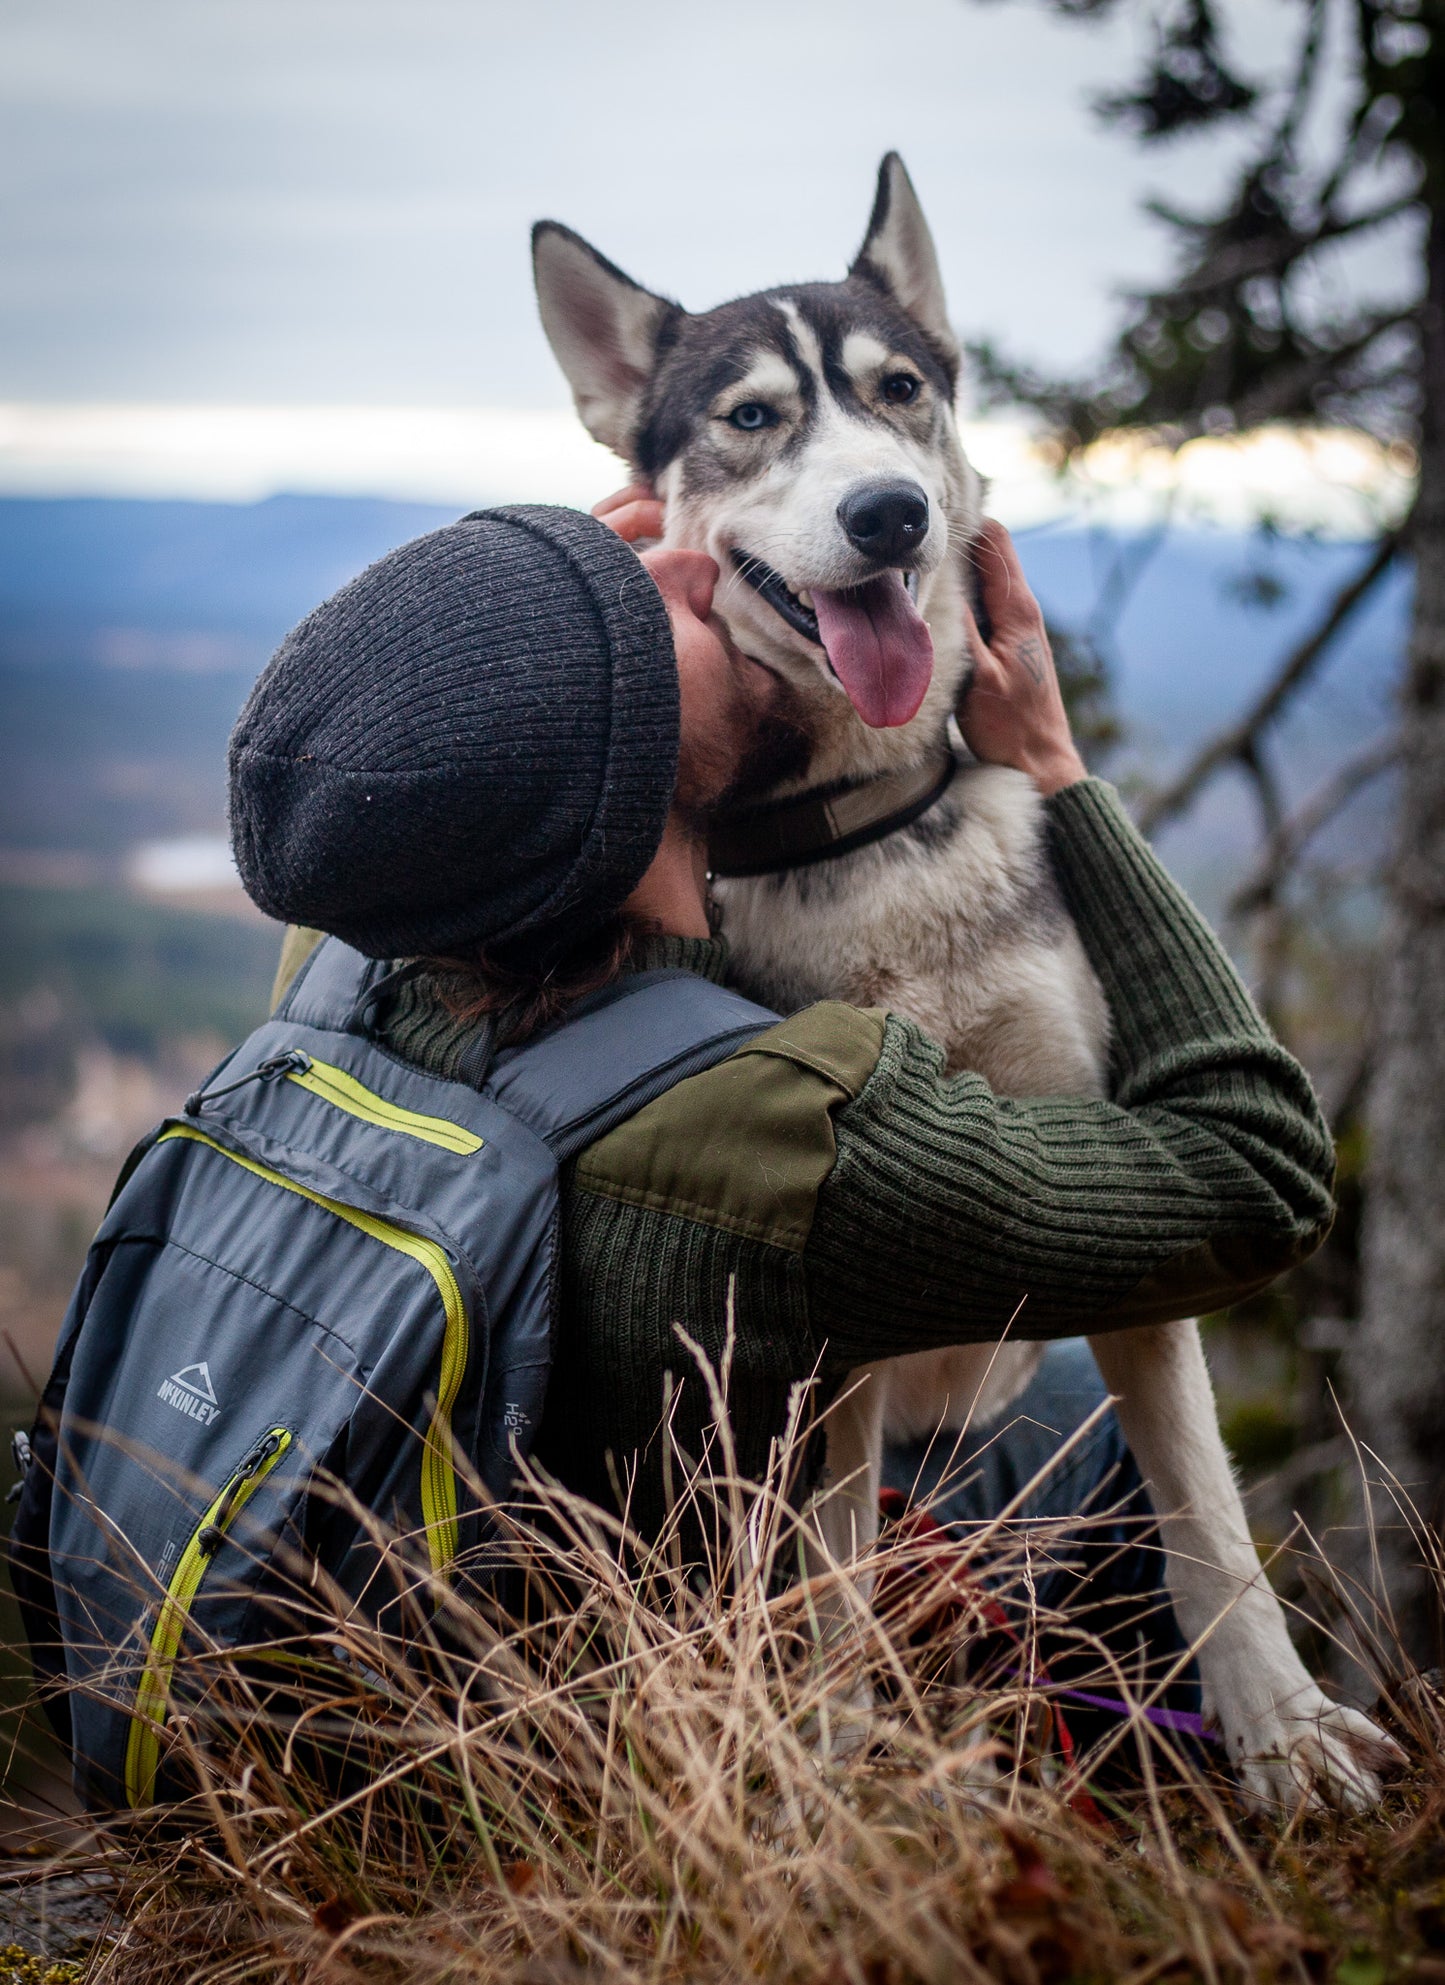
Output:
x,y
327,201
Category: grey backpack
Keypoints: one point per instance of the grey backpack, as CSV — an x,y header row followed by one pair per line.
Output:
x,y
333,1269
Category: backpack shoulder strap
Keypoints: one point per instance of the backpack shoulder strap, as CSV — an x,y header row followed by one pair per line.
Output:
x,y
616,1052
333,989
610,1055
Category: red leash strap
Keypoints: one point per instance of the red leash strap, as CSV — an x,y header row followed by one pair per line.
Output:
x,y
935,1560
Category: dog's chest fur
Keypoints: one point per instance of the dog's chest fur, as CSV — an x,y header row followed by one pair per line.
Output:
x,y
955,922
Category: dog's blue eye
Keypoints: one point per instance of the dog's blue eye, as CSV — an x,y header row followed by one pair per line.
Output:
x,y
900,388
752,415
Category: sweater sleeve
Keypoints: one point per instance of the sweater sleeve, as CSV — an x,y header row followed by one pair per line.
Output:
x,y
952,1214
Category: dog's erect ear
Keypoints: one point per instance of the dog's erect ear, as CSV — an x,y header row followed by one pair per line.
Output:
x,y
898,255
603,328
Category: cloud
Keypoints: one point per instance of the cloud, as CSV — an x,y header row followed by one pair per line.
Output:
x,y
312,200
1338,483
239,454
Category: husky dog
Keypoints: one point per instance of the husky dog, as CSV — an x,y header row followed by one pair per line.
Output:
x,y
806,439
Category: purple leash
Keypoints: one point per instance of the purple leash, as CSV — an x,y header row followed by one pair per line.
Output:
x,y
1188,1721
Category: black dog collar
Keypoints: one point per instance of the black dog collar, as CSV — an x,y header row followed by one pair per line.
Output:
x,y
817,826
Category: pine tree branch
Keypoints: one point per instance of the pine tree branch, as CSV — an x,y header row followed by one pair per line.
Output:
x,y
1272,254
1236,744
1290,392
1306,69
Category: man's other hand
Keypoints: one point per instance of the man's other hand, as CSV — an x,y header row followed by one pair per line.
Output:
x,y
1013,712
635,513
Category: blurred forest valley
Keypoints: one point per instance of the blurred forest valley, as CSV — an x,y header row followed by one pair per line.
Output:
x,y
131,959
1242,685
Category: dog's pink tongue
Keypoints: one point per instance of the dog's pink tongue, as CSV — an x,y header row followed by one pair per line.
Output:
x,y
880,648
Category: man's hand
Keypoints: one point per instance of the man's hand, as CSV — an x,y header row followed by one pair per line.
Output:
x,y
1013,713
635,513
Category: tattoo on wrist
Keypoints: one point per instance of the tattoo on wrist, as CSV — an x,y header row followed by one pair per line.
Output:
x,y
1033,660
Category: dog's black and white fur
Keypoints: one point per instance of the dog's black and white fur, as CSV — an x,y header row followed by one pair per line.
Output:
x,y
755,422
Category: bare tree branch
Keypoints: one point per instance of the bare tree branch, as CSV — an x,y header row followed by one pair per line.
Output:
x,y
1266,785
1272,935
1292,836
1235,745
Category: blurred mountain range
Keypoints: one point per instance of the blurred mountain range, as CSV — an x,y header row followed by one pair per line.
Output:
x,y
130,632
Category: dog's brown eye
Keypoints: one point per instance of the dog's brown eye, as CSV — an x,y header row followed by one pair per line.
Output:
x,y
900,388
752,415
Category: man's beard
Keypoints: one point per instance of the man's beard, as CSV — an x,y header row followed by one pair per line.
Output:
x,y
712,779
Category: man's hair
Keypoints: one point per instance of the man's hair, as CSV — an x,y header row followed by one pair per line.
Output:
x,y
520,1002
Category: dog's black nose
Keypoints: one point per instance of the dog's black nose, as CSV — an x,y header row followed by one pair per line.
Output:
x,y
887,520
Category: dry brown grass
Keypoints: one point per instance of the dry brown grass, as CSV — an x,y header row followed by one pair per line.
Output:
x,y
666,1780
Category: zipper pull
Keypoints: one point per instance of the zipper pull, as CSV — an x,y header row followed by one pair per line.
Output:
x,y
291,1061
213,1536
22,1457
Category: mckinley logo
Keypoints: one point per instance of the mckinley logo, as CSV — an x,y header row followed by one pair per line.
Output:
x,y
190,1391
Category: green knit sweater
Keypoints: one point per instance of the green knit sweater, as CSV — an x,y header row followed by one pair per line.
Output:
x,y
859,1203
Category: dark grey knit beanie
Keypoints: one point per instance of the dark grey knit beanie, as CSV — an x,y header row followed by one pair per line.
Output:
x,y
472,744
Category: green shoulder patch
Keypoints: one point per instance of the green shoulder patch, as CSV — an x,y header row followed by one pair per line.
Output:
x,y
746,1145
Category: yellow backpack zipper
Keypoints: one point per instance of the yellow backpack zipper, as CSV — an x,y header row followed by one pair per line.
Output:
x,y
333,1085
342,1090
152,1696
438,1480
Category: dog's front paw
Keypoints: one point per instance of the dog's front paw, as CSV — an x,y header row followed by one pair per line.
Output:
x,y
1311,1750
